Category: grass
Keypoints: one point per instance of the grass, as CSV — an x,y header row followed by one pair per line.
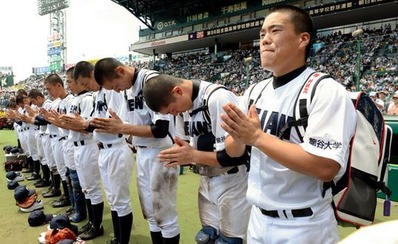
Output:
x,y
15,228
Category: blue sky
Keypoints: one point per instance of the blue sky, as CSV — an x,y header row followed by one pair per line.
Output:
x,y
95,29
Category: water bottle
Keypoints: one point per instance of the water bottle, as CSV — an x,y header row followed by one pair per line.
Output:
x,y
387,207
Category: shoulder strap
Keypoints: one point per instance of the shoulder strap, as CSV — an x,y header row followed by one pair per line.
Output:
x,y
302,103
205,107
254,100
206,113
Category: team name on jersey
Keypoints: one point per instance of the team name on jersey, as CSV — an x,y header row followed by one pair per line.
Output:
x,y
73,108
62,110
198,128
101,106
136,103
274,122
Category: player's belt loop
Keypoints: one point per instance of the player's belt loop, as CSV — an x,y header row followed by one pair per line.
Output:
x,y
296,213
103,146
79,143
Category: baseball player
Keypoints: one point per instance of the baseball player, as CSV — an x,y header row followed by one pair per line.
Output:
x,y
223,208
86,152
22,101
157,185
31,133
55,87
76,195
37,98
286,178
115,158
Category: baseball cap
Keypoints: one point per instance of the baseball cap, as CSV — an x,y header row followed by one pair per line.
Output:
x,y
11,175
62,221
7,149
372,94
37,218
395,95
384,92
21,193
11,185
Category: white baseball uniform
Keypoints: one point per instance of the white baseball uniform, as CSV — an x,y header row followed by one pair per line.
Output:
x,y
222,201
65,107
23,130
288,207
31,133
115,156
43,139
86,151
156,184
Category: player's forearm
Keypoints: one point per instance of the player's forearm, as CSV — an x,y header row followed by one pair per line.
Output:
x,y
233,147
205,158
294,157
135,130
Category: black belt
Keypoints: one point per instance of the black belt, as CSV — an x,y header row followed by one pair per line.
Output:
x,y
62,138
234,170
53,136
141,146
297,213
79,143
103,146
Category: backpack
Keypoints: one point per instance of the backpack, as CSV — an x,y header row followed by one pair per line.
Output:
x,y
355,193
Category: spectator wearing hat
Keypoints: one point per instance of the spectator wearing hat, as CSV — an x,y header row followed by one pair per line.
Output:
x,y
384,96
379,103
393,107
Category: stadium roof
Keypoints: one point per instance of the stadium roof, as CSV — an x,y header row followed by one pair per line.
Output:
x,y
151,11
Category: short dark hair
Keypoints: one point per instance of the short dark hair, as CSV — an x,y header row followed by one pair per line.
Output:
x,y
82,69
105,69
22,91
34,93
19,99
157,91
301,21
54,79
70,70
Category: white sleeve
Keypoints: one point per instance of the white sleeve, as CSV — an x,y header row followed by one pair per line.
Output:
x,y
215,102
331,123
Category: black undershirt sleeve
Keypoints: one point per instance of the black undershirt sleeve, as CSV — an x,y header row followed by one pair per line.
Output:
x,y
160,129
225,160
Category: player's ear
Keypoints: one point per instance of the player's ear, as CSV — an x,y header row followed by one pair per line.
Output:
x,y
119,70
305,39
176,90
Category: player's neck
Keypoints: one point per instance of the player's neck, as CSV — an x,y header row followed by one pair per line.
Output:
x,y
286,78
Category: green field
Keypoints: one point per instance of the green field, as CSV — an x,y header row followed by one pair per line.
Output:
x,y
15,228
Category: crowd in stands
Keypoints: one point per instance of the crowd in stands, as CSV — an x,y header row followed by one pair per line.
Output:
x,y
337,56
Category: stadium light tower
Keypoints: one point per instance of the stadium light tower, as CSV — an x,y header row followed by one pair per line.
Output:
x,y
56,45
357,34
